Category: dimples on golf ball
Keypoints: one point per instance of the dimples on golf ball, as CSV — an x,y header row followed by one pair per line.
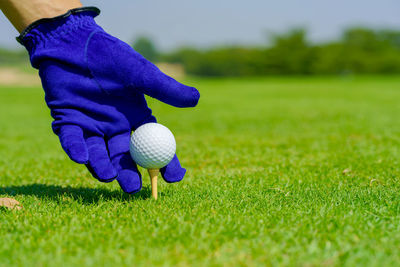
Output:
x,y
152,146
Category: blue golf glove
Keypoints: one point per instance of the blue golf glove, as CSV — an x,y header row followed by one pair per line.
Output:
x,y
94,86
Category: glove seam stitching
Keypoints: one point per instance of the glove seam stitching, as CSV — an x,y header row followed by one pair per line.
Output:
x,y
93,77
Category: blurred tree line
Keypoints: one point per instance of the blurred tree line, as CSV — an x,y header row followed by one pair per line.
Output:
x,y
358,51
13,57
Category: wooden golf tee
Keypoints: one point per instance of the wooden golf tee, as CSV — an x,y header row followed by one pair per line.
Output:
x,y
153,178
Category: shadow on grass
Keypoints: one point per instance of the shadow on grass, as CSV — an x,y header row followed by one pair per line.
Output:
x,y
84,194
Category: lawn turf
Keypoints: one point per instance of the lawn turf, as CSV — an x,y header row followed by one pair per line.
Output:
x,y
265,182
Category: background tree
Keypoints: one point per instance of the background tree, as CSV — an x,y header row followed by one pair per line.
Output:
x,y
145,46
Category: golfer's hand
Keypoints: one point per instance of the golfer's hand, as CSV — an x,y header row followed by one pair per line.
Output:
x,y
95,86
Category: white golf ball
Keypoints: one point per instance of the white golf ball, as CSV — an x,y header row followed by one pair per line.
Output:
x,y
152,146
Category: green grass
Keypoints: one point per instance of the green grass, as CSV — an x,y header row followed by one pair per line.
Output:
x,y
265,182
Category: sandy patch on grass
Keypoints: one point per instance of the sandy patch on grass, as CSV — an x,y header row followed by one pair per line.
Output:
x,y
176,71
14,76
10,203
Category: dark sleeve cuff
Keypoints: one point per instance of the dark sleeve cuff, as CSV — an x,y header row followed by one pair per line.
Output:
x,y
48,20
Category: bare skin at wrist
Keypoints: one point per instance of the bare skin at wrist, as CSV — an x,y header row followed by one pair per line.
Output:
x,y
22,13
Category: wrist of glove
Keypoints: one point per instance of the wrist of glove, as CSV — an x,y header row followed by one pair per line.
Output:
x,y
94,86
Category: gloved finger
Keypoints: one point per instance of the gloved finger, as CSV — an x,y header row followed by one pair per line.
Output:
x,y
128,67
173,172
129,177
99,162
151,81
71,139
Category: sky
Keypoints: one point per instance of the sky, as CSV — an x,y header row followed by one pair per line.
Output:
x,y
204,23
